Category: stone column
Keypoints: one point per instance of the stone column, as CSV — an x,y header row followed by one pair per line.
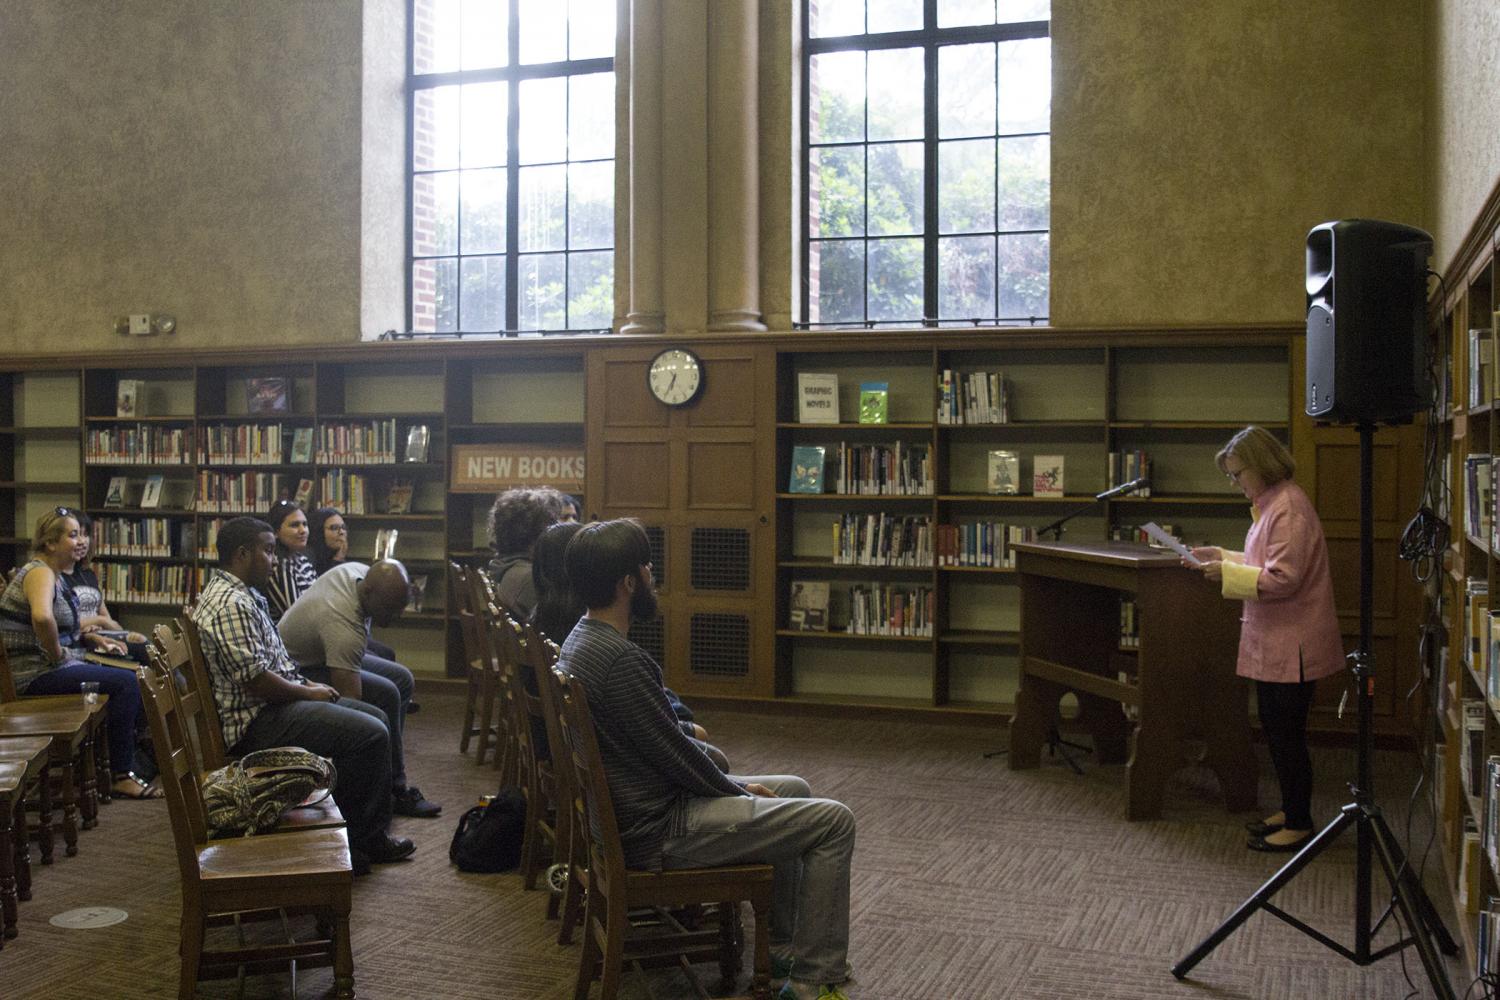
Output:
x,y
644,163
733,170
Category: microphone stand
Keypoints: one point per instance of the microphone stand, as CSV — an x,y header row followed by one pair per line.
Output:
x,y
1056,745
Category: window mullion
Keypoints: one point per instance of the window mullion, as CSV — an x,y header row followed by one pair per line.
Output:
x,y
513,178
930,172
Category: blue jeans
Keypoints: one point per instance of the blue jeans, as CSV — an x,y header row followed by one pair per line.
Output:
x,y
354,736
123,711
808,842
388,686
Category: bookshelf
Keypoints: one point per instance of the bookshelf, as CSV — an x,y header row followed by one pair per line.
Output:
x,y
1078,402
1464,720
63,442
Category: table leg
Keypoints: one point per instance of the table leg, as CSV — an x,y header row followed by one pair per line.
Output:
x,y
90,800
1156,756
44,813
104,770
70,806
8,865
23,851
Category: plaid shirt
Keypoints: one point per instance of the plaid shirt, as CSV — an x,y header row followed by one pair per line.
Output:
x,y
240,642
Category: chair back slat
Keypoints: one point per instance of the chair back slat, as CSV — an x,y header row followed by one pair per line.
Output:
x,y
468,619
215,753
505,643
195,697
181,775
594,810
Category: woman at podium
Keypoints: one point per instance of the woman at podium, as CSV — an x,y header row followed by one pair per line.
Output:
x,y
1289,633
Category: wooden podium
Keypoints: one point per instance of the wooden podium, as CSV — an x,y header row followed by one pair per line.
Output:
x,y
1186,691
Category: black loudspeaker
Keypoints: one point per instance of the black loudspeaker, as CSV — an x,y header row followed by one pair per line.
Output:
x,y
1366,309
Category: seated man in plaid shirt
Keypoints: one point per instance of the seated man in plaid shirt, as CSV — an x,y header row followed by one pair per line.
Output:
x,y
265,702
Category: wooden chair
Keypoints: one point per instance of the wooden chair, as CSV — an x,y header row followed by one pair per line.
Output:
x,y
501,656
614,890
307,870
181,654
534,776
24,765
26,748
570,843
70,726
479,699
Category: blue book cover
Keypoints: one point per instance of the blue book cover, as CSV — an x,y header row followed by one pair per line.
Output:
x,y
807,469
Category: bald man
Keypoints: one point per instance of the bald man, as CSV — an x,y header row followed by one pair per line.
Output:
x,y
327,631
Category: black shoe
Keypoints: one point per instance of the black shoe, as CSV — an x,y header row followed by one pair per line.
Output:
x,y
359,861
1266,846
408,801
1260,828
412,708
383,849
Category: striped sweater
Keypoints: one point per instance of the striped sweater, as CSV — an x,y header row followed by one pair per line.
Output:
x,y
651,764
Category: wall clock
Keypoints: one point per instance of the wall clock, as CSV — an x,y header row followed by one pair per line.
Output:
x,y
675,376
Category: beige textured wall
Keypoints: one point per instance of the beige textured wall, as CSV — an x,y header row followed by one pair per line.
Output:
x,y
200,157
1196,141
1463,117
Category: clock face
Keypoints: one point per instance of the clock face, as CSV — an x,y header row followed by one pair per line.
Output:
x,y
675,376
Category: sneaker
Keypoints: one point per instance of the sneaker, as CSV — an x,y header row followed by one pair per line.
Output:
x,y
794,990
384,849
408,801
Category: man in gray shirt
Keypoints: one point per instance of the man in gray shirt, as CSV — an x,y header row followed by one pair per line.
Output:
x,y
327,630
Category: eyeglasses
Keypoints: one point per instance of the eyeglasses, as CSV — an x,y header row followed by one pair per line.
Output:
x,y
1234,476
337,529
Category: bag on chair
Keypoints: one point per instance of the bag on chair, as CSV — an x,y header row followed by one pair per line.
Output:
x,y
488,838
248,796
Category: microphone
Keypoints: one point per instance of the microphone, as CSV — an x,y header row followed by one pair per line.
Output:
x,y
1130,487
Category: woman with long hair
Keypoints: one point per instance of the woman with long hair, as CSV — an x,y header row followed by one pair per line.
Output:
x,y
327,539
292,572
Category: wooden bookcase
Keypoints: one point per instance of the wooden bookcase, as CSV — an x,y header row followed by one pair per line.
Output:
x,y
1464,667
47,414
1178,399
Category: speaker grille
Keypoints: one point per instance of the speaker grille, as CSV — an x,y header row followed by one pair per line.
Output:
x,y
652,637
720,559
719,645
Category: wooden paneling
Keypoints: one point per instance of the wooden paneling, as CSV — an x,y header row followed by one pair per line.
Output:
x,y
1336,465
626,398
716,475
728,395
636,474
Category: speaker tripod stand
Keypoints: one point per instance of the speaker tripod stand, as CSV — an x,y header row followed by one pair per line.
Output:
x,y
1372,835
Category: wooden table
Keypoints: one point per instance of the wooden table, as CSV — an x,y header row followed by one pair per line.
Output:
x,y
1192,708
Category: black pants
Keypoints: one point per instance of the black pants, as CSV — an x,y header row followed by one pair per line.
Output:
x,y
1283,718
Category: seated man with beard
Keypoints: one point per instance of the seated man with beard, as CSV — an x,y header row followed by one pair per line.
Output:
x,y
675,808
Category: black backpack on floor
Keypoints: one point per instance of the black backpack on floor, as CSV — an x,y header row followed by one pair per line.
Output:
x,y
488,838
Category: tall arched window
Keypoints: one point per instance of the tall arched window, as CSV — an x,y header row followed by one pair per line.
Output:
x,y
511,173
926,164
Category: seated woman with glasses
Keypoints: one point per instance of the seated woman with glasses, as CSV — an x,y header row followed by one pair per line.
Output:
x,y
40,626
293,571
94,616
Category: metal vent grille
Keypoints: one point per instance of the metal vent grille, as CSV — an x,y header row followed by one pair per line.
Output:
x,y
719,645
721,559
652,637
657,536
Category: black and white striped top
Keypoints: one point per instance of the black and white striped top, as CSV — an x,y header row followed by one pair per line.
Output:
x,y
651,764
292,574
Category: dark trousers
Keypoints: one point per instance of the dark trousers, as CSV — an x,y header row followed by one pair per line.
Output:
x,y
1283,718
388,686
354,735
123,711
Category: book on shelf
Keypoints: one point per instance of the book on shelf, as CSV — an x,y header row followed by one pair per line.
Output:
x,y
980,397
987,544
303,496
1130,624
1471,764
115,495
888,609
817,398
385,543
1125,466
1476,608
1481,367
302,442
1492,663
418,592
874,402
1004,476
1047,476
880,539
268,394
371,442
1479,495
807,469
398,497
418,438
808,611
899,469
151,495
130,395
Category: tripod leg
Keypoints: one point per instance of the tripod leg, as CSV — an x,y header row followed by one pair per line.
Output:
x,y
1058,747
1416,925
1247,909
1390,848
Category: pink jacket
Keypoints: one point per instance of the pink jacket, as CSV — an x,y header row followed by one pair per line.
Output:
x,y
1288,592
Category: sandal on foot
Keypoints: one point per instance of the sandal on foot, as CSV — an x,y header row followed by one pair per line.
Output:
x,y
130,786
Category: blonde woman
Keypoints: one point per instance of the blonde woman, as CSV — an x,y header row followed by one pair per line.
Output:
x,y
40,625
1289,636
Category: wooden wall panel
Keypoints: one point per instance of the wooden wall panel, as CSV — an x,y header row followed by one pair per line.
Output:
x,y
728,395
716,475
636,474
626,399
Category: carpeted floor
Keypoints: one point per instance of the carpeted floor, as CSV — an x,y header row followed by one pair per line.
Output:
x,y
970,881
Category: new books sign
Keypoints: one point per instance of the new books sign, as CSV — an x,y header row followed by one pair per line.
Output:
x,y
490,468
